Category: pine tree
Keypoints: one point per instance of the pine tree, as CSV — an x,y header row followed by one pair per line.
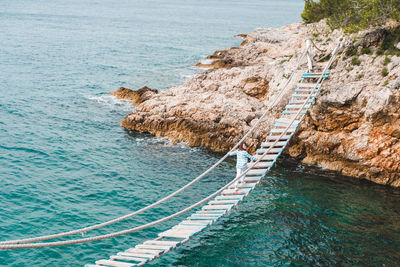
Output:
x,y
351,15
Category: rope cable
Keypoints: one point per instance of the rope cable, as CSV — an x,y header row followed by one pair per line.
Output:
x,y
127,216
101,237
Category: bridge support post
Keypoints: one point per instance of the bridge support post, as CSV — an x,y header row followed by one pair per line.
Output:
x,y
309,56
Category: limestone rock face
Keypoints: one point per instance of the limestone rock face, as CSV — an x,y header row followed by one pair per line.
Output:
x,y
354,127
137,97
218,106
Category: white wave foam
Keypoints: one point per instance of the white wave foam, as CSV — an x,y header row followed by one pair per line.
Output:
x,y
206,61
112,102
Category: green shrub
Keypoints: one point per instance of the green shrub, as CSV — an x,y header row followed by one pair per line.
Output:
x,y
385,72
351,15
313,12
355,61
379,52
385,83
365,50
386,61
391,39
351,51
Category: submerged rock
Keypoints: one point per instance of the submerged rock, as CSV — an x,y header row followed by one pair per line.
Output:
x,y
137,97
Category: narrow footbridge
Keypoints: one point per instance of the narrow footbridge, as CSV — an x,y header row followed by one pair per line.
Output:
x,y
221,202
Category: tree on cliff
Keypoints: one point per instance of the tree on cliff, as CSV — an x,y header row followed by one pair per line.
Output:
x,y
351,15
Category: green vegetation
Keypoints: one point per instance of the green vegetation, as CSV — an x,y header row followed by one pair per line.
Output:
x,y
351,51
351,15
385,72
386,61
287,59
379,52
392,38
355,61
385,83
366,50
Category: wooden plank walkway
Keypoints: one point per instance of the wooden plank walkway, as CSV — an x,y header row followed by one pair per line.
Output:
x,y
170,239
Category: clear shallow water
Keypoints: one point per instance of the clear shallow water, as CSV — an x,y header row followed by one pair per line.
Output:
x,y
65,162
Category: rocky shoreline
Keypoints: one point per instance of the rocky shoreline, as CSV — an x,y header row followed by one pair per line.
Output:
x,y
354,128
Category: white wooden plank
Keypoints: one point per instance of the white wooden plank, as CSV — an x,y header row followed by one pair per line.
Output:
x,y
255,172
262,164
218,207
184,231
230,197
273,150
221,212
162,242
177,234
244,185
157,247
137,255
204,217
252,179
194,223
222,202
294,112
300,101
280,138
188,227
282,130
297,95
126,258
115,263
145,251
241,191
309,85
287,121
267,156
297,106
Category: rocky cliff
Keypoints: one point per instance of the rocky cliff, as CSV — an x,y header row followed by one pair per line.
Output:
x,y
353,128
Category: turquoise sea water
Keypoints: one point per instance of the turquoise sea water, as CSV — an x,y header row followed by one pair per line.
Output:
x,y
66,163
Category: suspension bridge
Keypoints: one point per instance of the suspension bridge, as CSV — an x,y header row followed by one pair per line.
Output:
x,y
219,203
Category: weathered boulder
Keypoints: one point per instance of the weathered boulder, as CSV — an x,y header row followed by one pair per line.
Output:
x,y
137,97
372,38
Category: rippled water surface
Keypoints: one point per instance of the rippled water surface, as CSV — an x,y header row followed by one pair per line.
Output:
x,y
66,163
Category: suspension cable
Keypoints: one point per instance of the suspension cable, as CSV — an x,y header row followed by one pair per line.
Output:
x,y
127,216
106,236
